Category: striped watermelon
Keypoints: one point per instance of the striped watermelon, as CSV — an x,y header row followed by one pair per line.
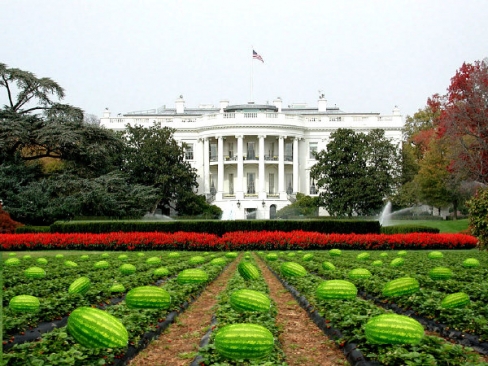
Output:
x,y
244,341
197,259
401,286
153,260
435,255
393,329
291,254
248,271
231,255
335,252
35,272
440,273
292,269
27,257
383,254
127,269
359,273
402,253
328,266
101,265
336,289
192,275
377,263
148,297
249,300
105,255
140,254
84,257
12,262
59,256
363,256
95,328
41,260
272,256
70,264
173,255
161,272
24,304
218,262
12,254
117,287
123,257
307,257
80,286
397,262
456,300
471,263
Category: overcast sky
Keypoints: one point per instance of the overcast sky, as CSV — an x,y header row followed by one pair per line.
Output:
x,y
365,56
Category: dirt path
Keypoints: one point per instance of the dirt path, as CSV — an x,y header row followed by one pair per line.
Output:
x,y
178,345
303,342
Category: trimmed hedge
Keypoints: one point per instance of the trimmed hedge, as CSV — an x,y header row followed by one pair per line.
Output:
x,y
406,229
32,229
218,227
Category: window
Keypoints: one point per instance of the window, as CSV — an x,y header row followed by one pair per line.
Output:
x,y
251,155
288,151
312,148
271,183
313,186
289,183
231,183
250,184
231,150
213,152
189,152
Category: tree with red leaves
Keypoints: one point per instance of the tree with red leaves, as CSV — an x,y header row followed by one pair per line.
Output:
x,y
463,119
7,225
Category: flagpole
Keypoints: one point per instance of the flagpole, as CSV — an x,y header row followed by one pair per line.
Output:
x,y
252,75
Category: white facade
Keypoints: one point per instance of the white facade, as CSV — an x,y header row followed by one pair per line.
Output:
x,y
252,159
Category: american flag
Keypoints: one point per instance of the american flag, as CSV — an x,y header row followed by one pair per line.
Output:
x,y
256,56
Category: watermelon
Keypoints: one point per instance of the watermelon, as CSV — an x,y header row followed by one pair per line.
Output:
x,y
101,265
328,266
140,254
456,300
84,257
12,254
161,272
393,329
435,255
291,254
173,255
249,300
95,328
401,286
27,257
471,263
105,255
359,273
363,256
440,273
231,255
123,257
59,256
248,271
70,264
12,262
218,262
377,263
292,269
80,286
127,269
402,253
117,287
243,341
397,262
335,252
383,254
307,257
148,297
336,289
153,260
272,256
192,275
35,272
41,260
24,304
247,257
197,259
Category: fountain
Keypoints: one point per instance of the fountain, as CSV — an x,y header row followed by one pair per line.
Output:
x,y
387,214
150,217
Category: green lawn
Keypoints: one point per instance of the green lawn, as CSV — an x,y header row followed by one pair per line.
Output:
x,y
445,226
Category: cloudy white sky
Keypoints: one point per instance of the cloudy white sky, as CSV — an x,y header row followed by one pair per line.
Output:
x,y
365,56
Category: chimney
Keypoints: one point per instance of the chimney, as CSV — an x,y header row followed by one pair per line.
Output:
x,y
180,105
223,105
277,102
322,104
106,113
396,111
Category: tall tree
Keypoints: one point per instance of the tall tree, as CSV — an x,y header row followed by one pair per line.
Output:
x,y
463,118
356,172
154,158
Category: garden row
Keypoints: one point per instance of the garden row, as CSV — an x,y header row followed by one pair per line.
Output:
x,y
181,284
252,240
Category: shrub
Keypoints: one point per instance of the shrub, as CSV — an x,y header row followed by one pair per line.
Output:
x,y
478,216
7,225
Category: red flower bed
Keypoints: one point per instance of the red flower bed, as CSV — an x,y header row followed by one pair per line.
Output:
x,y
254,240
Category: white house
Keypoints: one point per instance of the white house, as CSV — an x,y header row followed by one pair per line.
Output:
x,y
252,159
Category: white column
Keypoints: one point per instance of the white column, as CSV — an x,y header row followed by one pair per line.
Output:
x,y
240,167
262,177
220,164
295,164
206,166
281,166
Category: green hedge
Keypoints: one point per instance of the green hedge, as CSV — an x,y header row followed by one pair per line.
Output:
x,y
405,229
218,227
32,229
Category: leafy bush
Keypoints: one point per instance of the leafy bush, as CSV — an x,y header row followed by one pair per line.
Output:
x,y
478,216
7,225
405,229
